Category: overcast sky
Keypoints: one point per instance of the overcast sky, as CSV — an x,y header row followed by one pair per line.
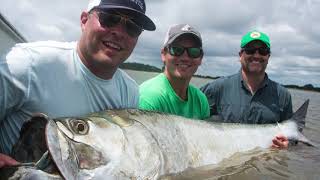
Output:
x,y
292,25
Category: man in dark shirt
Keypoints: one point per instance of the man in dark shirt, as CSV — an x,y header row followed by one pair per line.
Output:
x,y
250,96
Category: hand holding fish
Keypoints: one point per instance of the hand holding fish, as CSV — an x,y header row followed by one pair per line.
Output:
x,y
7,161
280,142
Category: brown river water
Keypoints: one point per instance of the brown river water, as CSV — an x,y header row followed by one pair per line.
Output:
x,y
299,162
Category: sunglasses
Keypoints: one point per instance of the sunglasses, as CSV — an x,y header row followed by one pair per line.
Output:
x,y
111,19
193,52
262,50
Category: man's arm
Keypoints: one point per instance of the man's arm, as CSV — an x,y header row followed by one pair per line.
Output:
x,y
285,101
281,141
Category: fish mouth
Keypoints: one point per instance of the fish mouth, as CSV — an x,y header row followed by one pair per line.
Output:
x,y
60,151
70,156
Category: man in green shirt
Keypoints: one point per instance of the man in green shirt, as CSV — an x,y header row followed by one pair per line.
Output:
x,y
170,91
250,96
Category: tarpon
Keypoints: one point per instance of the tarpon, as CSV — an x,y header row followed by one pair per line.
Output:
x,y
136,144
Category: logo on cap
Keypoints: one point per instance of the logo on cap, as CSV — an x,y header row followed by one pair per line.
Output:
x,y
138,2
255,35
186,28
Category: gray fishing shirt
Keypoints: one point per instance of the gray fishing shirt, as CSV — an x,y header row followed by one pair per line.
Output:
x,y
230,98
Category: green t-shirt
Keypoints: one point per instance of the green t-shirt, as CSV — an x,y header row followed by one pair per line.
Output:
x,y
157,94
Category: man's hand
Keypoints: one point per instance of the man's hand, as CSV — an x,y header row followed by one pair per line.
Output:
x,y
7,161
280,142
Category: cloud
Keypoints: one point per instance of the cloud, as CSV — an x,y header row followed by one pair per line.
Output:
x,y
291,24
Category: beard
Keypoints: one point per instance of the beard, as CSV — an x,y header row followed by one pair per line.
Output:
x,y
256,67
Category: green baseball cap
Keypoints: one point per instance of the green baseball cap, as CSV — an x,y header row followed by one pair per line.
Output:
x,y
255,35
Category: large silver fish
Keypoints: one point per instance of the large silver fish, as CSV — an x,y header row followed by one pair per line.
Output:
x,y
135,144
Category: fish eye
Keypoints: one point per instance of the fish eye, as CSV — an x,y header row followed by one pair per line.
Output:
x,y
80,126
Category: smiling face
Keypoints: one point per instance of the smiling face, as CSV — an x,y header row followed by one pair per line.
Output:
x,y
103,49
254,63
181,67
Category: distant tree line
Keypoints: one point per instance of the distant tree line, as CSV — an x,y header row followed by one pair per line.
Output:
x,y
148,68
308,87
206,77
139,67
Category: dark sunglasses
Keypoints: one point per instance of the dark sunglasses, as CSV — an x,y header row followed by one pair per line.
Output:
x,y
112,19
193,52
262,50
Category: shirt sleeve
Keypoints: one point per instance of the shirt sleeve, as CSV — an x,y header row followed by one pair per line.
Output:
x,y
6,90
14,81
206,109
148,103
285,102
134,97
287,108
212,92
149,98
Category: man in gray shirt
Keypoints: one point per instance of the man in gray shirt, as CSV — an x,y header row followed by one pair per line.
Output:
x,y
249,96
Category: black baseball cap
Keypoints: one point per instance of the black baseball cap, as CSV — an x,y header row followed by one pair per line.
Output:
x,y
136,7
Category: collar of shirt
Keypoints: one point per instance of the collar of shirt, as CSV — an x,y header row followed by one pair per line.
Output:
x,y
245,86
